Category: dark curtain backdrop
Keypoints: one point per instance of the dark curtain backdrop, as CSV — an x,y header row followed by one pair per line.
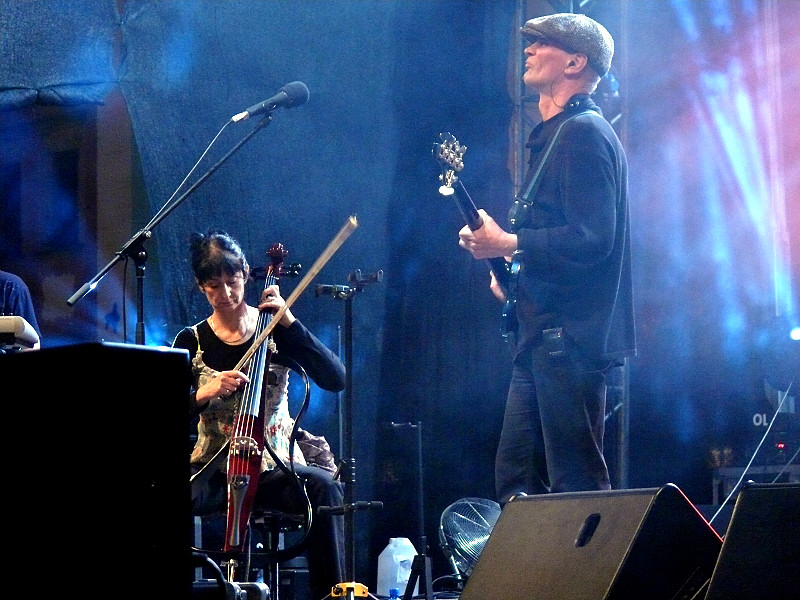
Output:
x,y
704,94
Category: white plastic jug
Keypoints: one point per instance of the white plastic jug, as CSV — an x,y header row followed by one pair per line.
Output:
x,y
394,567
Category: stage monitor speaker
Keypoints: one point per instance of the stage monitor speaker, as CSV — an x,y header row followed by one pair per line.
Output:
x,y
759,557
98,492
614,545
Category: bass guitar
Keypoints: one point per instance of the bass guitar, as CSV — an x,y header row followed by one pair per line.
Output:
x,y
449,154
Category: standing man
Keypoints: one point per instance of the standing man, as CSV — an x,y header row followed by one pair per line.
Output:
x,y
570,239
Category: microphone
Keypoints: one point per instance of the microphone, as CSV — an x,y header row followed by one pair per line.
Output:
x,y
291,95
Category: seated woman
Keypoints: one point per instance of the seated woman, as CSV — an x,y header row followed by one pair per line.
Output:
x,y
216,345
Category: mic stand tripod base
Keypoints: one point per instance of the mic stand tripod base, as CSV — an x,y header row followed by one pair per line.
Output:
x,y
420,567
350,590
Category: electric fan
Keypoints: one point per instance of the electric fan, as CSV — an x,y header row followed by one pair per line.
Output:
x,y
464,528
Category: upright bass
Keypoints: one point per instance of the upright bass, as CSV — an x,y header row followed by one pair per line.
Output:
x,y
246,446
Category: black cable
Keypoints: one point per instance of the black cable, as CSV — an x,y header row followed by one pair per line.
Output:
x,y
201,559
291,551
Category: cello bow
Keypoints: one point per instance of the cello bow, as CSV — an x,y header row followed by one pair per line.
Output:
x,y
329,251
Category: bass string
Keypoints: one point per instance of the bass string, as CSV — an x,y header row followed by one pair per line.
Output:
x,y
251,395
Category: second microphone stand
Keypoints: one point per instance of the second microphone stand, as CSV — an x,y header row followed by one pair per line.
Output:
x,y
347,467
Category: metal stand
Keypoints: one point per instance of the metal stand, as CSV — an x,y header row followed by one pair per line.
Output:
x,y
420,570
421,565
618,398
347,468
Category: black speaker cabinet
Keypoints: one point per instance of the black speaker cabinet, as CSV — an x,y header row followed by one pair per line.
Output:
x,y
98,499
760,557
616,545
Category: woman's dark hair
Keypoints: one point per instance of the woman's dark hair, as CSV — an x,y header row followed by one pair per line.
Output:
x,y
216,254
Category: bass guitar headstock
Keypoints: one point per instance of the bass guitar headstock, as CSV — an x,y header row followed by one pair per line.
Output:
x,y
277,268
449,154
277,254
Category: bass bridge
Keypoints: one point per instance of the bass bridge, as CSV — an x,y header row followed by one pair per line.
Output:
x,y
245,448
244,458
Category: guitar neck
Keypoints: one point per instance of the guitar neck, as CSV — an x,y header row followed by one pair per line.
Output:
x,y
499,267
450,156
474,221
467,207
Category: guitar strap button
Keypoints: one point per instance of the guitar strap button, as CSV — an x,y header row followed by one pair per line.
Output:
x,y
518,214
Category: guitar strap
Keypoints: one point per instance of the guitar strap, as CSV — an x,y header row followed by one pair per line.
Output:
x,y
518,214
517,217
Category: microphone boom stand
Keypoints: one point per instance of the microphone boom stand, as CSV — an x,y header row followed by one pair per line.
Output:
x,y
134,247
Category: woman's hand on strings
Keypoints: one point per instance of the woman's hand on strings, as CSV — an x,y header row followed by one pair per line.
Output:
x,y
272,300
